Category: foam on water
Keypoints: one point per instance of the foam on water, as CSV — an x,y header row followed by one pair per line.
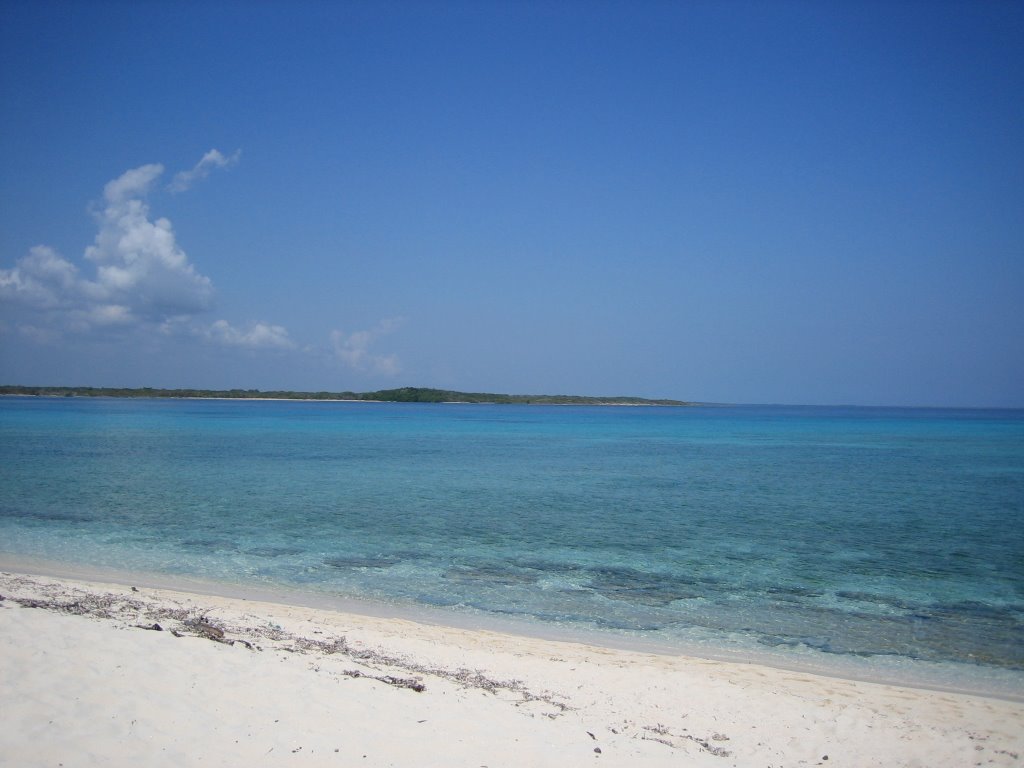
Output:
x,y
889,537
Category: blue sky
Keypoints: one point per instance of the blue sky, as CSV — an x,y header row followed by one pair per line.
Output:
x,y
795,202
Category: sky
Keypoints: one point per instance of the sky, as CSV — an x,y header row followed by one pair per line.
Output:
x,y
752,202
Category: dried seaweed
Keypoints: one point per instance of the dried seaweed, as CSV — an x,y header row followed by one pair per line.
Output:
x,y
143,614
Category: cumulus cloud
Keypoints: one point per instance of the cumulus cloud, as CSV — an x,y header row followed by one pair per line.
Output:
x,y
140,264
104,315
140,281
258,336
133,183
212,159
41,280
142,276
353,349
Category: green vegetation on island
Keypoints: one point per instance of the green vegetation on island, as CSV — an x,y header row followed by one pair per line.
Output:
x,y
401,395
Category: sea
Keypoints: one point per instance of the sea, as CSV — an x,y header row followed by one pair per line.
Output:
x,y
878,543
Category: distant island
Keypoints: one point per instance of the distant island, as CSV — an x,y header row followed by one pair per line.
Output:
x,y
401,395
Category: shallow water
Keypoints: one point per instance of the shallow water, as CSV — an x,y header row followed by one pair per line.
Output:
x,y
889,535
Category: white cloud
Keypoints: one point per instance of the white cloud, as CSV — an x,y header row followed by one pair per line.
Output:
x,y
258,336
212,159
353,349
104,315
140,281
142,276
141,265
133,183
41,280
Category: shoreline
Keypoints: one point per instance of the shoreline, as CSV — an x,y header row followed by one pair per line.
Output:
x,y
905,673
597,404
231,681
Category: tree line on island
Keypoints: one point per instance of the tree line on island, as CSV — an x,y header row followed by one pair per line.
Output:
x,y
400,395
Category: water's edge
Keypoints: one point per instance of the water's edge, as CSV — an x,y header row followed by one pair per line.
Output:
x,y
915,674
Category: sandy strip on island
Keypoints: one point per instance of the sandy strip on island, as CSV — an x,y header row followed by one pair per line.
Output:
x,y
97,674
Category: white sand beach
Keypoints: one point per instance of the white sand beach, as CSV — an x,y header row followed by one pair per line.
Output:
x,y
100,674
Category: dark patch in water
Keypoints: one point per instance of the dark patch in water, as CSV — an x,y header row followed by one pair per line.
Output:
x,y
408,554
870,597
634,626
547,566
975,609
492,574
209,545
274,551
630,585
794,594
135,539
62,516
777,641
922,635
356,561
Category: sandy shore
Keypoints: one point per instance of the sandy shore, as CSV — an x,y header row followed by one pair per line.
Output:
x,y
96,674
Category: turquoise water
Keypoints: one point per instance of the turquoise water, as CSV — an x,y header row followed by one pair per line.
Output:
x,y
872,533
